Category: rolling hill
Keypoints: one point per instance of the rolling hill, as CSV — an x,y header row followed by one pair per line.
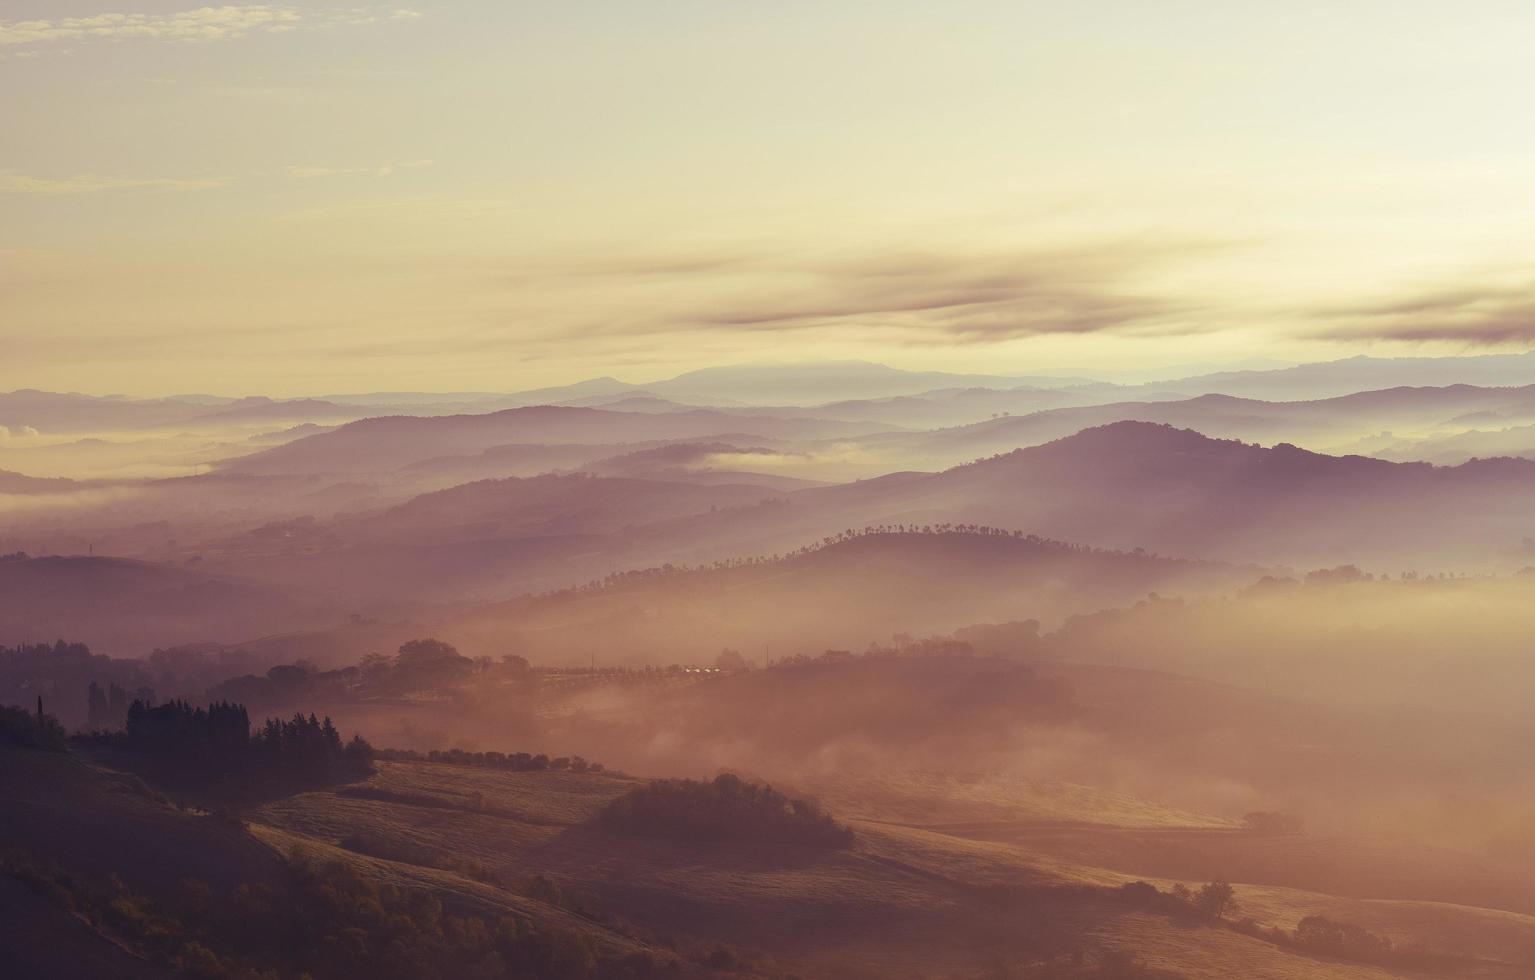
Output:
x,y
380,445
902,900
845,594
1323,425
1138,484
126,608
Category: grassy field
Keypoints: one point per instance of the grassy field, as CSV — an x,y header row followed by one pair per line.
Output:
x,y
976,899
904,901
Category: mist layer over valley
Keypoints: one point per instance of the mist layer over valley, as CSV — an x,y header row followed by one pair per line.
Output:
x,y
828,670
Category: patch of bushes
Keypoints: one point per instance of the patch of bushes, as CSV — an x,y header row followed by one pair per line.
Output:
x,y
726,809
32,731
1315,935
1324,935
1211,901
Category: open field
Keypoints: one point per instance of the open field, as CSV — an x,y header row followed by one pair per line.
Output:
x,y
905,901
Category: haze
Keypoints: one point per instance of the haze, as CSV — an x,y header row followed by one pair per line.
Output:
x,y
713,491
298,198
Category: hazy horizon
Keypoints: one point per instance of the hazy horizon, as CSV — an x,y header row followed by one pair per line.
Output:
x,y
686,490
300,197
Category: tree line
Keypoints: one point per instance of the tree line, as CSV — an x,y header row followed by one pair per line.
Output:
x,y
509,761
218,740
670,570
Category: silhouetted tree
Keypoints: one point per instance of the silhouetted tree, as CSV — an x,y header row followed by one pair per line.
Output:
x,y
1215,899
218,740
98,711
32,731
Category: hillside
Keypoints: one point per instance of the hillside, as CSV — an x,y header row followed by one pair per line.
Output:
x,y
379,445
123,607
544,505
901,901
1137,484
852,591
1323,379
1407,413
943,866
93,822
479,541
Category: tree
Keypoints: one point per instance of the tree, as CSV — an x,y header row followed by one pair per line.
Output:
x,y
19,726
117,702
1215,899
426,664
98,711
359,755
332,739
425,651
730,660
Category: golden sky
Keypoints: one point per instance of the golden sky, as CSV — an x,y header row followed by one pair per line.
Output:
x,y
300,198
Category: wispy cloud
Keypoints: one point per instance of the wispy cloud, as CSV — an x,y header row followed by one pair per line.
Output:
x,y
202,24
979,298
383,170
15,183
1480,315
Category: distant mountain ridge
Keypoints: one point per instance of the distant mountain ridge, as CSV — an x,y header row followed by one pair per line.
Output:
x,y
1130,484
387,443
1332,378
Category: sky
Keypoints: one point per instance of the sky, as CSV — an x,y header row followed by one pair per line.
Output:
x,y
303,198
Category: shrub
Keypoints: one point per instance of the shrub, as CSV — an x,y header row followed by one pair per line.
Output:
x,y
32,731
1324,935
727,809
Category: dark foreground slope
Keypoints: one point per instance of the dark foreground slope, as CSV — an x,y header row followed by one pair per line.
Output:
x,y
900,901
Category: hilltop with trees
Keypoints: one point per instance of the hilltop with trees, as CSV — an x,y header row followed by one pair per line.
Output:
x,y
725,809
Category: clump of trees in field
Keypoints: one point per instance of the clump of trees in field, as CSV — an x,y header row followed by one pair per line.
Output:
x,y
23,728
725,809
217,740
1211,901
1315,934
1333,938
286,684
419,665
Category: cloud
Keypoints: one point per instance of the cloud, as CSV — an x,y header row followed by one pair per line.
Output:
x,y
15,183
203,24
382,170
981,298
17,433
1482,315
